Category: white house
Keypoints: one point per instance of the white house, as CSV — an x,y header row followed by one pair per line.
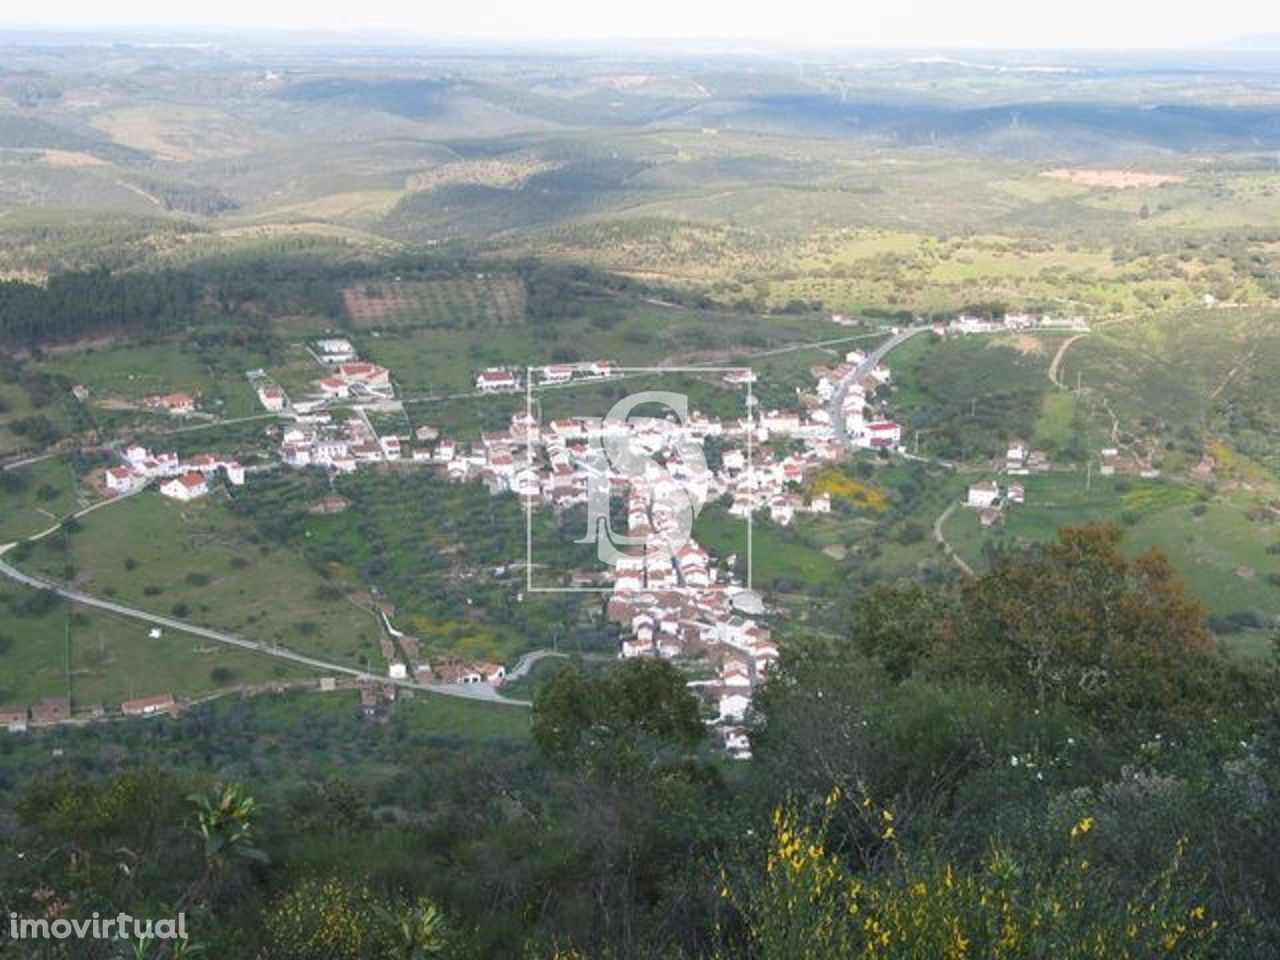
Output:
x,y
495,381
557,373
735,674
984,494
734,705
235,473
820,504
272,398
185,488
1015,458
120,479
335,350
369,374
883,434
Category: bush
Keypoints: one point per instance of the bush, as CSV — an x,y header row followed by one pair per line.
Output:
x,y
35,603
805,901
339,919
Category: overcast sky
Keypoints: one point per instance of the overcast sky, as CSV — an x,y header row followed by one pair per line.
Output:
x,y
906,23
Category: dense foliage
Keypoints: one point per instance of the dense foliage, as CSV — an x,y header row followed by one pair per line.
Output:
x,y
1050,760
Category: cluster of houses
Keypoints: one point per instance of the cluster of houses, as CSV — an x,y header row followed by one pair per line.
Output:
x,y
670,597
349,377
1114,462
990,499
320,440
182,480
505,380
53,710
874,433
967,324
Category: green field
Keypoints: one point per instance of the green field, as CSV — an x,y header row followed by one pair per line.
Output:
x,y
104,658
423,715
778,557
202,563
127,373
36,496
1219,547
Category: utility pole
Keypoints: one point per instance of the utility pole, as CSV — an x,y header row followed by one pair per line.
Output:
x,y
68,654
1088,482
1079,378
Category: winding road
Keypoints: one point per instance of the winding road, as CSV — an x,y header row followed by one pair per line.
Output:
x,y
466,691
1054,368
860,372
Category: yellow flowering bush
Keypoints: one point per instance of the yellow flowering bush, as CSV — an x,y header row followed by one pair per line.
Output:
x,y
337,919
807,903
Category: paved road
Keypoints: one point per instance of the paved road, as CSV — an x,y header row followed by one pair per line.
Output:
x,y
614,378
27,461
480,691
861,372
529,660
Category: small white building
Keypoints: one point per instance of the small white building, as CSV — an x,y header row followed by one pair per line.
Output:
x,y
185,488
120,479
496,381
734,705
335,350
272,398
984,494
557,373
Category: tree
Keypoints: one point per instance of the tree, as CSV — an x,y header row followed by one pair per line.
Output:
x,y
604,719
224,822
1078,622
898,625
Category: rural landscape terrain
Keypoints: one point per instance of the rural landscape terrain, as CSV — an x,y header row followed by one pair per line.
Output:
x,y
307,358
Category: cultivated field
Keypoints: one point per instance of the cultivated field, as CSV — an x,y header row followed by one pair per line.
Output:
x,y
496,301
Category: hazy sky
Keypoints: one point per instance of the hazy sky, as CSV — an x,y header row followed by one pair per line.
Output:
x,y
936,23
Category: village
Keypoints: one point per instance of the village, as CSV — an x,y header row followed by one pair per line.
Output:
x,y
669,597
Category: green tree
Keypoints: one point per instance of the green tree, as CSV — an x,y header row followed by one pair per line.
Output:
x,y
605,718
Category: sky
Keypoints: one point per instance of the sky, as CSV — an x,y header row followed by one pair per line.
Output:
x,y
811,23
